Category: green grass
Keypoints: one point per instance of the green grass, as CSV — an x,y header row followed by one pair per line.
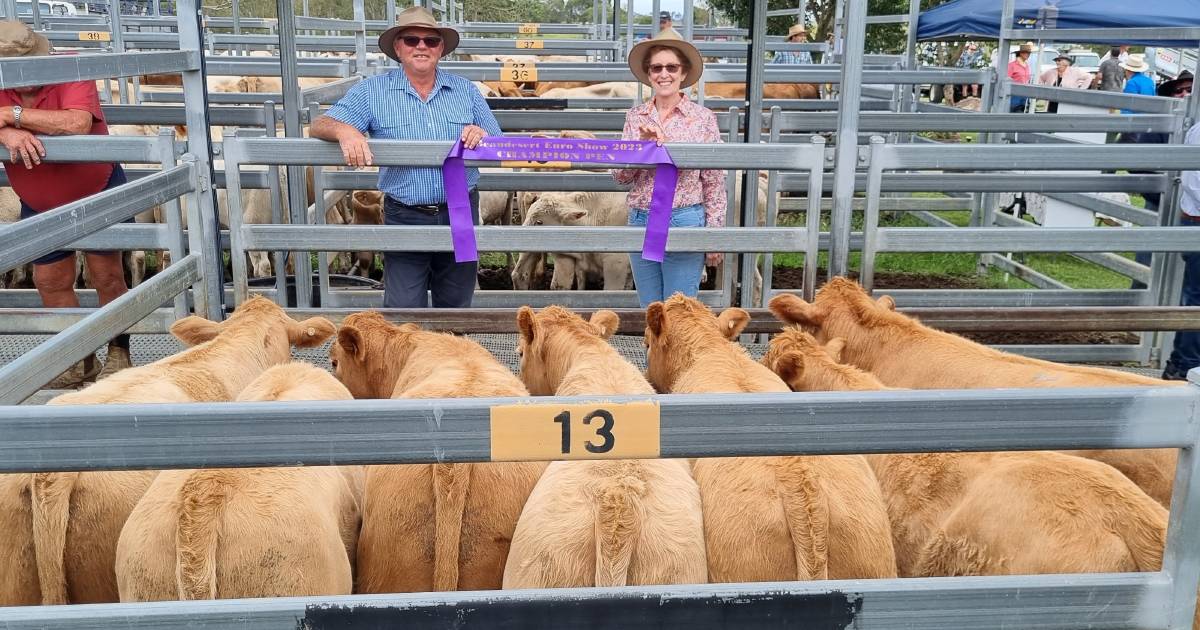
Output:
x,y
1076,273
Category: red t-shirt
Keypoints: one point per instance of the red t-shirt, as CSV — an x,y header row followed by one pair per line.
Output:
x,y
51,184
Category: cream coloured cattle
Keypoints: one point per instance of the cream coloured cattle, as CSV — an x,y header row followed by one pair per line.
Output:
x,y
248,532
902,352
586,209
599,523
61,529
431,526
615,89
10,212
765,518
991,513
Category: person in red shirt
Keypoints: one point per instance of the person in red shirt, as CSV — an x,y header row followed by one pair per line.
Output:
x,y
1019,72
55,110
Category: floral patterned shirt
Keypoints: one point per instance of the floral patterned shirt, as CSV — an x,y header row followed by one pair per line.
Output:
x,y
689,122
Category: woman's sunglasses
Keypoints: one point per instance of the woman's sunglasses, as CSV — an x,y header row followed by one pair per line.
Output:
x,y
412,40
1183,91
672,68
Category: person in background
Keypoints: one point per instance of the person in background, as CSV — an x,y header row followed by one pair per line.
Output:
x,y
797,34
1111,76
416,102
668,64
1019,72
970,59
1180,87
1185,354
1120,53
666,22
57,110
1064,74
1136,81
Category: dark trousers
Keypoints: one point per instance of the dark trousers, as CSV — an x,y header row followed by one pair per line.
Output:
x,y
1186,353
408,276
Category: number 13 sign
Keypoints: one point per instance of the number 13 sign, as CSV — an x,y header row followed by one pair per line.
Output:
x,y
590,431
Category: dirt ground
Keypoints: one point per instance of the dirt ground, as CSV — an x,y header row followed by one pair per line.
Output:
x,y
494,279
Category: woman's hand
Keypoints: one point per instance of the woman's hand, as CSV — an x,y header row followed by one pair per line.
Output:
x,y
651,133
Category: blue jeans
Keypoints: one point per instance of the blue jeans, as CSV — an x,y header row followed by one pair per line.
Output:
x,y
679,272
1186,353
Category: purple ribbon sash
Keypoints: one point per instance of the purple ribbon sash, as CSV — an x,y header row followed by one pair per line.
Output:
x,y
559,153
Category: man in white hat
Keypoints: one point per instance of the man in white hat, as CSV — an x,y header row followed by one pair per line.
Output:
x,y
797,34
1136,80
416,102
71,108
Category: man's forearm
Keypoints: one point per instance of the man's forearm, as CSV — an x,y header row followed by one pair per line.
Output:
x,y
50,122
326,128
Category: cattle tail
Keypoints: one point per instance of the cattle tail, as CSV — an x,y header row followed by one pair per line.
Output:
x,y
618,527
806,509
50,504
450,484
202,501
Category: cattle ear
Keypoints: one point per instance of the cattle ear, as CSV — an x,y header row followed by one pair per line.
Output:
x,y
527,324
408,327
834,348
311,332
350,339
790,309
194,330
605,323
887,302
790,367
656,318
733,321
576,215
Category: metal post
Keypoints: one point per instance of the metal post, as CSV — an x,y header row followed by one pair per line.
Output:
x,y
912,92
37,15
768,259
195,99
839,26
628,26
655,7
729,265
391,12
278,258
999,104
847,137
360,36
174,218
296,189
118,41
314,110
688,19
755,55
1184,520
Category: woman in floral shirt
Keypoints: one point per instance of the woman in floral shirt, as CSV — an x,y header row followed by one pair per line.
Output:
x,y
668,64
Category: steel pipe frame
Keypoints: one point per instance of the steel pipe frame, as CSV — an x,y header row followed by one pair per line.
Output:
x,y
1097,98
34,71
852,76
32,370
28,239
1163,33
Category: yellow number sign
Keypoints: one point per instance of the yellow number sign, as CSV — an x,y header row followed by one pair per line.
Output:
x,y
530,43
591,431
519,72
528,28
94,36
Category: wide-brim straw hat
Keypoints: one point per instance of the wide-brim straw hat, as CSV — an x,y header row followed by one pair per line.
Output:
x,y
666,39
416,17
796,30
18,40
1135,63
1026,47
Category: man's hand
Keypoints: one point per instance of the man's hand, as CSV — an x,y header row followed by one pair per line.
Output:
x,y
471,135
23,146
355,149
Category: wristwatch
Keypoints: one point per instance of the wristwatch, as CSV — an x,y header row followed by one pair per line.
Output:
x,y
17,116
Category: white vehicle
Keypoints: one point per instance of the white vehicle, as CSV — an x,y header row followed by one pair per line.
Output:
x,y
46,8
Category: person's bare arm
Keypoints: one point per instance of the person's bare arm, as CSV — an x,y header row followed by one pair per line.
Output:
x,y
352,141
50,122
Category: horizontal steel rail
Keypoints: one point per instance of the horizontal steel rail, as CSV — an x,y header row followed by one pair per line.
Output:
x,y
725,73
1040,158
224,435
43,321
18,72
389,238
1160,33
52,230
999,123
32,370
166,115
1014,239
1047,602
1098,98
260,67
1115,209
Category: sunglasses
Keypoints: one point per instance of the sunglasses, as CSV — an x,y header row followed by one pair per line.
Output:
x,y
1183,91
412,40
671,68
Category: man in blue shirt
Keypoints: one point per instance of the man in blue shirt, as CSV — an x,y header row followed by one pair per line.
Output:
x,y
1136,82
416,102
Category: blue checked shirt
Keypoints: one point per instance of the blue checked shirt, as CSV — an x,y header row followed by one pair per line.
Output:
x,y
790,56
389,108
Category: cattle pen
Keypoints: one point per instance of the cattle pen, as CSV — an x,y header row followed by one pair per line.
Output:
x,y
857,158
